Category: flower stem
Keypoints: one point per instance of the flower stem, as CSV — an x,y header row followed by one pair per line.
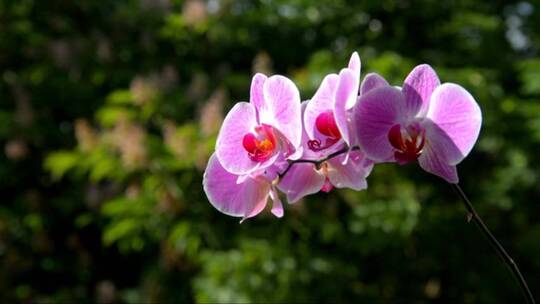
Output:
x,y
473,215
317,162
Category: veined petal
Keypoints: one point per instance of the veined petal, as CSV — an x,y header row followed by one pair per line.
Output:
x,y
353,174
418,87
345,158
347,88
346,96
374,115
458,118
241,200
297,154
277,206
283,103
242,178
322,101
355,64
253,208
240,121
256,96
433,162
301,180
372,81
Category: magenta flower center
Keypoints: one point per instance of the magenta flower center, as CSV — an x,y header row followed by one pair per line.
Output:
x,y
327,186
408,142
261,145
326,125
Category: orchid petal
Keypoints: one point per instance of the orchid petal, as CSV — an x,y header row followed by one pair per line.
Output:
x,y
418,87
256,96
346,95
301,180
353,174
374,115
297,154
345,159
240,121
372,81
347,89
282,110
277,206
434,163
229,197
355,64
254,208
322,101
458,116
242,178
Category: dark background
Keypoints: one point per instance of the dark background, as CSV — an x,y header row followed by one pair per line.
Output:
x,y
109,111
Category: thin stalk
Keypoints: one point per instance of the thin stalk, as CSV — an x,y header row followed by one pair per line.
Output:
x,y
317,163
508,260
473,215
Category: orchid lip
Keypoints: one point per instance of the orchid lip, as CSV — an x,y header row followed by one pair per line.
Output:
x,y
327,126
315,145
408,142
261,145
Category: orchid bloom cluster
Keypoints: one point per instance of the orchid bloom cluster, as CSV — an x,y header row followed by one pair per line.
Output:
x,y
277,143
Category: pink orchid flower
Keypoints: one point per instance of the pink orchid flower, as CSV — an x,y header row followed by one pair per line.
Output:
x,y
436,124
255,139
305,178
241,199
255,135
328,114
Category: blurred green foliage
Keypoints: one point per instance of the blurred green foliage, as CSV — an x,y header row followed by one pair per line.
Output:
x,y
109,111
